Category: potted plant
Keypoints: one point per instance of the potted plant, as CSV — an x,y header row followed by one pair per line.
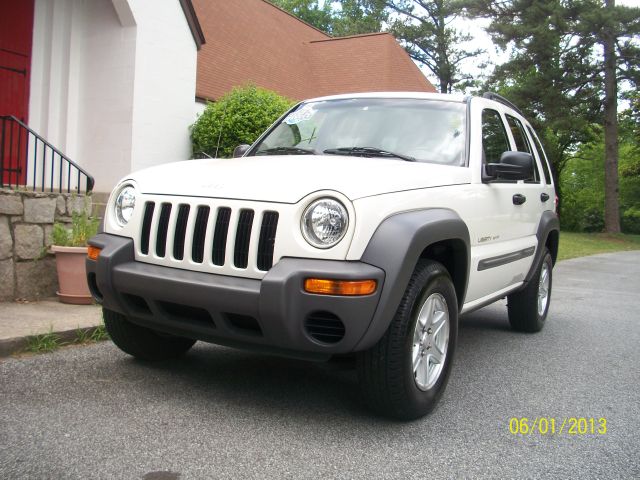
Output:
x,y
70,248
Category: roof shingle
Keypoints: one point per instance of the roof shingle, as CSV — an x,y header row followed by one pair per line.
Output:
x,y
252,41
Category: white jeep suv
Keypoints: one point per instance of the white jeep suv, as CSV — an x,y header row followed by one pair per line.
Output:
x,y
357,224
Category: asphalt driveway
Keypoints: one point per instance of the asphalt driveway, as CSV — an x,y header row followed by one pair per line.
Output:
x,y
93,412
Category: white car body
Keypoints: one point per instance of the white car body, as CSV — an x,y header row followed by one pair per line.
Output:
x,y
359,224
371,189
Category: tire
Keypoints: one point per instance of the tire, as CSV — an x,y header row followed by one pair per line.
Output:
x,y
386,373
528,307
143,343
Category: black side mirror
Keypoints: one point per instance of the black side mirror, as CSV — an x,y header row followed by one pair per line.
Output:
x,y
240,150
512,166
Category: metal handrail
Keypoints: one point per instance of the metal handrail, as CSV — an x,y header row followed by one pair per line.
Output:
x,y
41,172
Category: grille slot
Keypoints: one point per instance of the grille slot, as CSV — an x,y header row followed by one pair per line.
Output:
x,y
324,327
243,237
267,240
181,230
163,226
199,233
146,227
220,236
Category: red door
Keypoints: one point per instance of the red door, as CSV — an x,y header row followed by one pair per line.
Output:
x,y
16,31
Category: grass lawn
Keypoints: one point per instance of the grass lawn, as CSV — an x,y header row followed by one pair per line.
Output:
x,y
580,244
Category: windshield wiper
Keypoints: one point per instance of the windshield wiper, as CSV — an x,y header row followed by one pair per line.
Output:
x,y
285,151
367,152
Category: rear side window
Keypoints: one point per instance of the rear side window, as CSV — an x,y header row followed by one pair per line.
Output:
x,y
522,144
543,156
494,136
518,134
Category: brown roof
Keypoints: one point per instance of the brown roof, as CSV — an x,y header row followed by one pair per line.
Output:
x,y
252,41
364,63
192,21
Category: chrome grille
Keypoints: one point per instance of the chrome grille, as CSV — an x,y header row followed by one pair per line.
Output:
x,y
187,232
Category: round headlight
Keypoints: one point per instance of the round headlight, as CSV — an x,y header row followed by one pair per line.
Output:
x,y
125,203
324,223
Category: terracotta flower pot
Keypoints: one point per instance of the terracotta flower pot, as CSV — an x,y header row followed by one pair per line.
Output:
x,y
72,275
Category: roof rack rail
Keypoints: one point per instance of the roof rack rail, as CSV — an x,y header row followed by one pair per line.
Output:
x,y
501,99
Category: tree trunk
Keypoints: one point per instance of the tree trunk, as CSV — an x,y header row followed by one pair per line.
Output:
x,y
611,207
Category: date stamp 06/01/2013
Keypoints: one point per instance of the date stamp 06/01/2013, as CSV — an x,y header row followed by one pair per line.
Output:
x,y
570,426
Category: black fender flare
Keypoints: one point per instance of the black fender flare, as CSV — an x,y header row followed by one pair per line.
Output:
x,y
396,246
548,224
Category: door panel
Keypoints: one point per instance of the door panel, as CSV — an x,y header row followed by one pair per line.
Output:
x,y
503,238
16,30
504,232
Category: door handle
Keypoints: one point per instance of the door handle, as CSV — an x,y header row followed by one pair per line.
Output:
x,y
544,197
519,199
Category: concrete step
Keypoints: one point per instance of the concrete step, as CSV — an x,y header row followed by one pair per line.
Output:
x,y
19,321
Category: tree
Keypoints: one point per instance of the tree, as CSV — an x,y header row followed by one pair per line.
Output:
x,y
309,11
558,73
611,206
238,117
583,182
425,27
338,18
547,75
629,169
359,16
616,25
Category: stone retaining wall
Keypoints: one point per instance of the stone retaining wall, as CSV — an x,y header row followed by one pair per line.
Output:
x,y
27,270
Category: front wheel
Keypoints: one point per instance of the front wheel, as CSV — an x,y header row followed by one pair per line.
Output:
x,y
528,307
406,372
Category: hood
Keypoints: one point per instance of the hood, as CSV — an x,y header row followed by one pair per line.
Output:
x,y
289,178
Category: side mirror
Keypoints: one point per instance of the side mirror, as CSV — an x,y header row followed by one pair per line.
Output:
x,y
240,150
512,166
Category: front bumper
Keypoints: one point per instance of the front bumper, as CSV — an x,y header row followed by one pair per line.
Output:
x,y
274,314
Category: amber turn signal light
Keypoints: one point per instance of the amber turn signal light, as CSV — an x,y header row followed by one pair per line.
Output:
x,y
93,252
324,286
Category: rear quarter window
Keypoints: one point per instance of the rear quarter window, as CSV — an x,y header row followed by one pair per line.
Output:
x,y
541,155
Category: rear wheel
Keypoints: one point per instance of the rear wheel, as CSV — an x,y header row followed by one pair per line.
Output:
x,y
141,342
528,307
406,372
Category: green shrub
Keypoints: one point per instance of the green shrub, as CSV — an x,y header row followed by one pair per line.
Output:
x,y
592,221
238,117
631,220
83,227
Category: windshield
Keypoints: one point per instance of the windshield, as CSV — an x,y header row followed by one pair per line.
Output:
x,y
400,129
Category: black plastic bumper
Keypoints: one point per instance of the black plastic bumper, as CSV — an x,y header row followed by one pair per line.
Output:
x,y
273,314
